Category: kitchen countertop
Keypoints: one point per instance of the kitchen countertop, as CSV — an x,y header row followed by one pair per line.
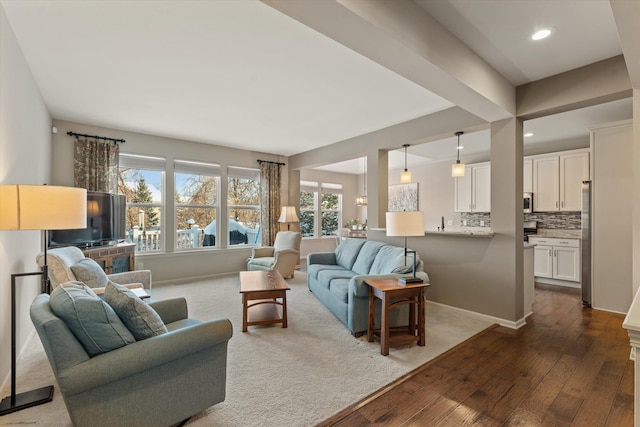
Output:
x,y
559,234
464,232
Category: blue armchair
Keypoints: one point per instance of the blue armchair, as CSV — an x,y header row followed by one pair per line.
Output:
x,y
159,381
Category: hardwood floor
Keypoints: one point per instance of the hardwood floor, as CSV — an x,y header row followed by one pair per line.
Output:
x,y
568,366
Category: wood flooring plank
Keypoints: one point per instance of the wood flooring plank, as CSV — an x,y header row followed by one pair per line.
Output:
x,y
568,366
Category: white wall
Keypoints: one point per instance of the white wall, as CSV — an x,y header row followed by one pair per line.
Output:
x,y
435,193
25,134
612,242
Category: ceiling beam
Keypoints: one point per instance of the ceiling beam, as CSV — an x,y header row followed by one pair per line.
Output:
x,y
593,84
404,38
627,15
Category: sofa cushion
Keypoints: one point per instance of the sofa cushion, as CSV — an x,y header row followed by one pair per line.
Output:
x,y
266,261
391,259
142,321
314,269
91,320
366,256
347,252
326,276
90,273
340,288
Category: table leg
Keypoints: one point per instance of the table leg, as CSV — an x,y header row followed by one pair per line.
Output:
x,y
370,324
421,319
412,316
284,309
384,325
244,312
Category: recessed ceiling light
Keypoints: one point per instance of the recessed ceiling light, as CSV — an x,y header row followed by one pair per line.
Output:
x,y
541,34
528,134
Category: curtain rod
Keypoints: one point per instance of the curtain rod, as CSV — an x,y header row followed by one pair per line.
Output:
x,y
273,163
105,138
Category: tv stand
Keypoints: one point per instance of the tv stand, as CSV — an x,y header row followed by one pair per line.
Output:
x,y
113,259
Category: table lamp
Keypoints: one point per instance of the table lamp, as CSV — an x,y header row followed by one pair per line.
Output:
x,y
405,224
288,215
36,207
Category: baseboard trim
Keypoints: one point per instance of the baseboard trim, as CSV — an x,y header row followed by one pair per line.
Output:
x,y
485,317
565,283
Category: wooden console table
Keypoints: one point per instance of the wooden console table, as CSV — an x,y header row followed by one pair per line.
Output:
x,y
113,259
393,294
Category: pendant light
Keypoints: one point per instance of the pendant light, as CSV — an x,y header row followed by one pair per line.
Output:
x,y
458,168
362,200
405,176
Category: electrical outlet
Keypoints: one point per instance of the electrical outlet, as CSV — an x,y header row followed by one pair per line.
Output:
x,y
464,222
450,222
481,223
140,265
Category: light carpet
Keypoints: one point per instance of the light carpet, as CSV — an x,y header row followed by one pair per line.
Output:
x,y
298,376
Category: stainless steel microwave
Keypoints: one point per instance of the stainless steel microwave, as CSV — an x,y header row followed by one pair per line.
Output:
x,y
528,202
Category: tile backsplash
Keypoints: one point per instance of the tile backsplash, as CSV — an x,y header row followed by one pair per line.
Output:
x,y
546,220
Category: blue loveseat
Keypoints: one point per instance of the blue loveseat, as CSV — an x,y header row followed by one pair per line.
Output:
x,y
337,279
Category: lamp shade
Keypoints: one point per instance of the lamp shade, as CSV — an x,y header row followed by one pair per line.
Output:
x,y
405,177
405,223
457,169
42,207
288,214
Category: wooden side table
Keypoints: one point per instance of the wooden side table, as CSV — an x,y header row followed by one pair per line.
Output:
x,y
393,294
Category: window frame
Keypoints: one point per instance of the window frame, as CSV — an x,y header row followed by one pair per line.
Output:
x,y
151,164
206,169
241,172
320,188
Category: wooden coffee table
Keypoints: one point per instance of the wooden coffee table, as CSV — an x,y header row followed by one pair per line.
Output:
x,y
265,288
393,294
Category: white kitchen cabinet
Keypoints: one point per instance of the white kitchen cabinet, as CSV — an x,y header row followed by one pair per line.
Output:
x,y
527,176
557,181
574,168
557,258
473,190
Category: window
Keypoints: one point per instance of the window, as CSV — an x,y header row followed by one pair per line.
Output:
x,y
196,201
330,205
308,202
141,179
323,203
243,205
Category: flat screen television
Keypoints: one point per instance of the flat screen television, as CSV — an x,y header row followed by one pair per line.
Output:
x,y
105,223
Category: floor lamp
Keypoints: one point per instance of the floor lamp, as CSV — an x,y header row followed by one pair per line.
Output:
x,y
404,224
36,207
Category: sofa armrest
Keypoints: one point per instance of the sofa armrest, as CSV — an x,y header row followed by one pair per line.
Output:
x,y
144,355
136,276
360,289
171,310
324,258
263,251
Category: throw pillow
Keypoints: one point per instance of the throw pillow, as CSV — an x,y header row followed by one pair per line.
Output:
x,y
90,319
142,320
90,273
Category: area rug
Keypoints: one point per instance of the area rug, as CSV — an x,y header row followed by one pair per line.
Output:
x,y
298,376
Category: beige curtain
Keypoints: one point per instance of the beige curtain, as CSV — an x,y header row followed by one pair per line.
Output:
x,y
96,165
269,200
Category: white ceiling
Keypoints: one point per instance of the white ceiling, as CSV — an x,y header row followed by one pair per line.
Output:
x,y
241,74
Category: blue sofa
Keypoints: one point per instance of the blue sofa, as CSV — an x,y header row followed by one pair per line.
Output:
x,y
337,279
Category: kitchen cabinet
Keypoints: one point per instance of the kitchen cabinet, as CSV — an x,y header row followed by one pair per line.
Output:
x,y
473,190
557,181
527,176
556,258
